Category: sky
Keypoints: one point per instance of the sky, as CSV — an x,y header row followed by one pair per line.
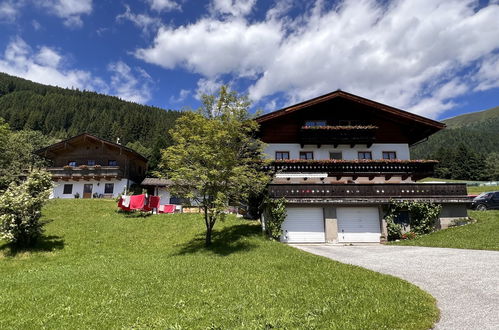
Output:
x,y
436,58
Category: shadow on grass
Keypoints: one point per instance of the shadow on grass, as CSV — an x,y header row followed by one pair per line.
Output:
x,y
44,244
134,214
225,242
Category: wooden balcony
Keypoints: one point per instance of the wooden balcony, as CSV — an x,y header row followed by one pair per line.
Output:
x,y
365,193
336,135
86,173
416,169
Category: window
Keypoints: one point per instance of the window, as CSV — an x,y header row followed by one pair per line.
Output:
x,y
91,162
112,163
72,163
307,155
315,123
389,155
365,155
280,155
335,155
68,189
108,188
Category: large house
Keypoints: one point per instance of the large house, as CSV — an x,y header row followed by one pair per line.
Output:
x,y
340,159
87,166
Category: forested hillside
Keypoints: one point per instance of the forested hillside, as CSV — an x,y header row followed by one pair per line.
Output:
x,y
61,113
467,149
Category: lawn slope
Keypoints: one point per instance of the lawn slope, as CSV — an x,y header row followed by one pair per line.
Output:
x,y
481,235
102,269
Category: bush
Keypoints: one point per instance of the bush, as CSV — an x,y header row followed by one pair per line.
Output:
x,y
20,209
275,216
394,229
422,215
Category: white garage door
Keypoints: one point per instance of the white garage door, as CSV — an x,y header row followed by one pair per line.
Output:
x,y
358,224
304,225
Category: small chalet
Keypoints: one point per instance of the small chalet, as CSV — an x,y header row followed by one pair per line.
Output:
x,y
339,158
87,166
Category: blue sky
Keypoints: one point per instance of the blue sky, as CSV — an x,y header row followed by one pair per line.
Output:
x,y
437,58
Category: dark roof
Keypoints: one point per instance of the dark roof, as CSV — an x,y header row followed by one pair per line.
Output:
x,y
341,94
158,182
61,144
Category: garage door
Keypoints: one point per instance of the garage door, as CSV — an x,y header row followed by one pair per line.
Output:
x,y
304,225
358,224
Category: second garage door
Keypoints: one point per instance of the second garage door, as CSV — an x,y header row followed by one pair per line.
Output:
x,y
304,225
358,224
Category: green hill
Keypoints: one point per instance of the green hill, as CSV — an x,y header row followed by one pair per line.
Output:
x,y
472,118
474,135
61,113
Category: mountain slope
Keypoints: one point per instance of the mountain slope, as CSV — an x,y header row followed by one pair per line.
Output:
x,y
479,131
472,118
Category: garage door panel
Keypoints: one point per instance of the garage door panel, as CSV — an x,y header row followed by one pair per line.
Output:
x,y
303,225
358,224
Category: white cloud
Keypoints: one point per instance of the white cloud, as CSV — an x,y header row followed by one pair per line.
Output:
x,y
232,7
163,5
404,53
182,96
129,86
207,86
45,66
36,25
69,10
212,47
9,10
488,75
145,22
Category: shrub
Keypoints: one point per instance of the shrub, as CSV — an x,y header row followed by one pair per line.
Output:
x,y
20,209
422,217
275,216
394,229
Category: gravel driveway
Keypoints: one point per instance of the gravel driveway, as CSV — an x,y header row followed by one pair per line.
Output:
x,y
464,282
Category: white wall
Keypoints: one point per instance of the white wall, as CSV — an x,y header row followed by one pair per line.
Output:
x,y
164,196
98,187
322,153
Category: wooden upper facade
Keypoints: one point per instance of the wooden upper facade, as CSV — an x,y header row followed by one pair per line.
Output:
x,y
88,157
350,119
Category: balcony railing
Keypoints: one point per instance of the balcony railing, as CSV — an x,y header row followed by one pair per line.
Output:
x,y
373,191
86,172
413,168
336,135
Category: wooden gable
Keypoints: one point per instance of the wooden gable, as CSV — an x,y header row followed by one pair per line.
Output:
x,y
337,108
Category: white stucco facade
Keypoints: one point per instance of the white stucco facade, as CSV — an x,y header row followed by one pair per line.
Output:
x,y
97,187
348,153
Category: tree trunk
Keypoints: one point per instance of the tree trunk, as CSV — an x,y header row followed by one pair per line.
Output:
x,y
208,227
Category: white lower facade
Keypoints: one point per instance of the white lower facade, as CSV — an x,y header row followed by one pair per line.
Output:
x,y
73,188
353,224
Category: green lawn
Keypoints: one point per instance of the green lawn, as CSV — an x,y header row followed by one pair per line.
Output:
x,y
103,269
481,235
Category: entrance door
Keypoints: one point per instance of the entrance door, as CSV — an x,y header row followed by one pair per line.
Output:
x,y
87,190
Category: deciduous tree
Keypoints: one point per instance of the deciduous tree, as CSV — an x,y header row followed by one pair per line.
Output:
x,y
215,158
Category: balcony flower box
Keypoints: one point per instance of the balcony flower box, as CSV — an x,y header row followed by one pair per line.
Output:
x,y
83,167
68,167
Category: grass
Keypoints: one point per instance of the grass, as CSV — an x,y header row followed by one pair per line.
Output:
x,y
481,235
98,268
